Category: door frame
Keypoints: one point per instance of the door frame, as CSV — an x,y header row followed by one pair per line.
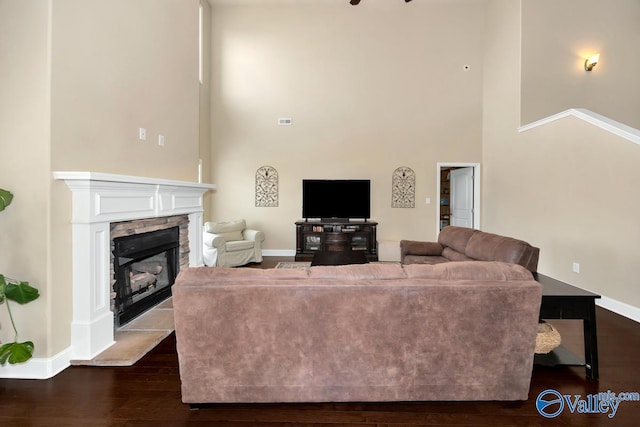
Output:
x,y
476,190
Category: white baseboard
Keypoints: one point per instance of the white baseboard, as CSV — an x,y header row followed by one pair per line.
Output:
x,y
621,308
38,368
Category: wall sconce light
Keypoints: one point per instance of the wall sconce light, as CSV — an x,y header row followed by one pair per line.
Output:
x,y
591,62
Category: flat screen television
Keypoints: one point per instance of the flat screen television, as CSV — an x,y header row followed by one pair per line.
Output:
x,y
336,199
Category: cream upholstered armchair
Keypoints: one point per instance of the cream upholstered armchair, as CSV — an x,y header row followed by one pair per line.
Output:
x,y
231,243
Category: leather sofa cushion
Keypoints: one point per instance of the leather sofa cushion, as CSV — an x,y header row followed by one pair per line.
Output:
x,y
203,275
422,259
452,255
492,247
456,238
358,272
469,270
421,248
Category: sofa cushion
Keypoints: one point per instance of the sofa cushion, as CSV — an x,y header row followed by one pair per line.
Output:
x,y
469,270
456,237
422,259
421,248
229,230
358,271
452,255
492,247
206,275
239,245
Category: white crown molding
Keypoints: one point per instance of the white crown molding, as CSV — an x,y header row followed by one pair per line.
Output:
x,y
71,176
612,126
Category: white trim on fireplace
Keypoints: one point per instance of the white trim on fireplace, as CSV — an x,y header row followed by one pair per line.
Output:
x,y
98,199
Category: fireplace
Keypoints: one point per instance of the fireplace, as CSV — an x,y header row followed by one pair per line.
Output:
x,y
100,202
145,266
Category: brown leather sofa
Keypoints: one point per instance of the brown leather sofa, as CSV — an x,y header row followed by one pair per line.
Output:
x,y
352,333
466,244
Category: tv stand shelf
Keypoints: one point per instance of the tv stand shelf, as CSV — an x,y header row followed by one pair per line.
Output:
x,y
335,235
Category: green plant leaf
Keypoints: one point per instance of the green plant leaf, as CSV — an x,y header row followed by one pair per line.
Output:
x,y
5,198
16,352
3,287
21,293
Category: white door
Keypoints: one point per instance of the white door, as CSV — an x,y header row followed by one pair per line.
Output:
x,y
461,197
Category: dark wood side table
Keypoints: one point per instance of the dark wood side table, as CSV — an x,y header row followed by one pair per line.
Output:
x,y
563,301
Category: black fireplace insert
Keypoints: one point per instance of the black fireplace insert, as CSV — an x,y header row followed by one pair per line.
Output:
x,y
145,266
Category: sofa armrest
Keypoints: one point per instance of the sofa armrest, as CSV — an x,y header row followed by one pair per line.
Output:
x,y
255,235
413,247
213,240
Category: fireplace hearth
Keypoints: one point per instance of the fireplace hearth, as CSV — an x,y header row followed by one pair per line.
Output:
x,y
145,267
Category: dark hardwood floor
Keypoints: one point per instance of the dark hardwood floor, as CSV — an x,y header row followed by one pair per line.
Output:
x,y
148,393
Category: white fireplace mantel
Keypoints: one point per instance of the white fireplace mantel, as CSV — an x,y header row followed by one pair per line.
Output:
x,y
98,199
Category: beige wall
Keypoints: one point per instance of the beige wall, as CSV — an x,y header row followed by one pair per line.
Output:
x,y
204,150
118,66
369,89
24,135
564,187
81,76
557,36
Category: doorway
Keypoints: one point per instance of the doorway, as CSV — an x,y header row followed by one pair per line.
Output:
x,y
458,189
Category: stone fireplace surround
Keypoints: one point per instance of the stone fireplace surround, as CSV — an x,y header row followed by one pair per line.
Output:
x,y
98,200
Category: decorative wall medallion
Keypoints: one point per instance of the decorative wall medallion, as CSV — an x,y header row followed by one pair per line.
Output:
x,y
403,189
266,187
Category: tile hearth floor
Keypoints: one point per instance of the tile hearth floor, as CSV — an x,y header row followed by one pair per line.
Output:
x,y
136,338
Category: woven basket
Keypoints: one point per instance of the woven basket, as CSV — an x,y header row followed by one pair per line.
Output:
x,y
547,338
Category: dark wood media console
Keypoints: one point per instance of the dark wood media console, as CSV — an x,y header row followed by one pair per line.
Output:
x,y
326,236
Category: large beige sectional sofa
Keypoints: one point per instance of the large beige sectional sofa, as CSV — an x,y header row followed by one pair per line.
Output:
x,y
369,332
